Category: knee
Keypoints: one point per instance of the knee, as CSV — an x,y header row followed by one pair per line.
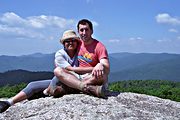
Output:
x,y
58,72
105,78
31,84
93,81
30,88
100,81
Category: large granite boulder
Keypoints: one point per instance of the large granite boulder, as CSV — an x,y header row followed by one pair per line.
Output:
x,y
121,106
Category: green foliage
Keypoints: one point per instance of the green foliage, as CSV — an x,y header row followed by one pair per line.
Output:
x,y
160,88
9,91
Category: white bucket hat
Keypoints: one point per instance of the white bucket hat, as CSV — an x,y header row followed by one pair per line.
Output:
x,y
68,34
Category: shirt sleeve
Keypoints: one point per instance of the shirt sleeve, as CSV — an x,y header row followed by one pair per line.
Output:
x,y
102,52
60,60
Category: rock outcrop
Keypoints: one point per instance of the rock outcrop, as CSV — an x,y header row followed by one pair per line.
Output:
x,y
121,106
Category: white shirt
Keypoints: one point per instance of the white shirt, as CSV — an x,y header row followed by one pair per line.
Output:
x,y
63,60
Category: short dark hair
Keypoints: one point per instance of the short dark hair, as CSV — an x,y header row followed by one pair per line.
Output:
x,y
85,21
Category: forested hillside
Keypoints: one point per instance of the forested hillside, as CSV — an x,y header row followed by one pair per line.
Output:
x,y
19,76
160,88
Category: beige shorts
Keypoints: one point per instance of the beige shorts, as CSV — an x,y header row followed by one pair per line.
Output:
x,y
80,77
87,75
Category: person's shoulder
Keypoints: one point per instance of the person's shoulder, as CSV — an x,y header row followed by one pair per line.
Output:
x,y
60,52
96,41
99,43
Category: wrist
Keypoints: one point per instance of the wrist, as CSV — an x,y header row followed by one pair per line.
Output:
x,y
101,64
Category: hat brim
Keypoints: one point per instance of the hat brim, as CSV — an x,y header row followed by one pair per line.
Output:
x,y
62,40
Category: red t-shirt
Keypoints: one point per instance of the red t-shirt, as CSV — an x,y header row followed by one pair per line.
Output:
x,y
90,55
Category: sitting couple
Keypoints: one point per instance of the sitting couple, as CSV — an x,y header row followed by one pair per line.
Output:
x,y
82,66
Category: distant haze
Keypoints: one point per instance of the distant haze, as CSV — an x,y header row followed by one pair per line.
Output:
x,y
124,66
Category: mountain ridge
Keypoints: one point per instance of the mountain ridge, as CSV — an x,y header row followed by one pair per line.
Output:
x,y
124,66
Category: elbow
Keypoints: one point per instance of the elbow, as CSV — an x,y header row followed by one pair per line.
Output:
x,y
56,71
108,70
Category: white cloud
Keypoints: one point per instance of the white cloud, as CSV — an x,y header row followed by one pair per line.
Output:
x,y
132,38
139,45
173,30
163,40
167,19
18,32
114,41
52,21
135,39
139,38
32,33
40,27
11,19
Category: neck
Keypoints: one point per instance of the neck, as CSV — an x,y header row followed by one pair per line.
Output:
x,y
71,53
88,41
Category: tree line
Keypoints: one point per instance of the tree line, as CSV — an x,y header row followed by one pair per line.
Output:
x,y
18,76
160,88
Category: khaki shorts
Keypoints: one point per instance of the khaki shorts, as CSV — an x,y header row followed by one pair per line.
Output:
x,y
81,77
87,75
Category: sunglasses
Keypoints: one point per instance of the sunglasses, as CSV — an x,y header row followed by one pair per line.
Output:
x,y
70,40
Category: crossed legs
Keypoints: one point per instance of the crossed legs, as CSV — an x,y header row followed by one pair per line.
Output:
x,y
67,78
74,80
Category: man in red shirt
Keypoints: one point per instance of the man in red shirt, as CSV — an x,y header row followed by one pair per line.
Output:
x,y
91,76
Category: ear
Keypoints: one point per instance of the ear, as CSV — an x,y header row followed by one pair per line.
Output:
x,y
91,32
78,31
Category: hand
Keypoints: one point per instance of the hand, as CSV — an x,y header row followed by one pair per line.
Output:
x,y
98,71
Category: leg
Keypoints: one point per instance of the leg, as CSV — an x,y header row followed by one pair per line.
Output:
x,y
92,80
53,85
96,87
33,89
72,81
68,78
29,90
19,97
26,93
56,88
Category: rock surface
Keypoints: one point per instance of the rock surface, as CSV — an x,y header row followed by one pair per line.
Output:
x,y
121,106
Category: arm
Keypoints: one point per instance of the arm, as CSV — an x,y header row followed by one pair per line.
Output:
x,y
60,61
80,70
105,63
101,68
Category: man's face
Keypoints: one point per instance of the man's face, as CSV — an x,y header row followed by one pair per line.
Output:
x,y
85,32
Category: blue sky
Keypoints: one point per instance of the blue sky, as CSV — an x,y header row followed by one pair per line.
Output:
x,y
137,26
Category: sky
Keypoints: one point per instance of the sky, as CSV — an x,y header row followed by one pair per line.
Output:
x,y
136,26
